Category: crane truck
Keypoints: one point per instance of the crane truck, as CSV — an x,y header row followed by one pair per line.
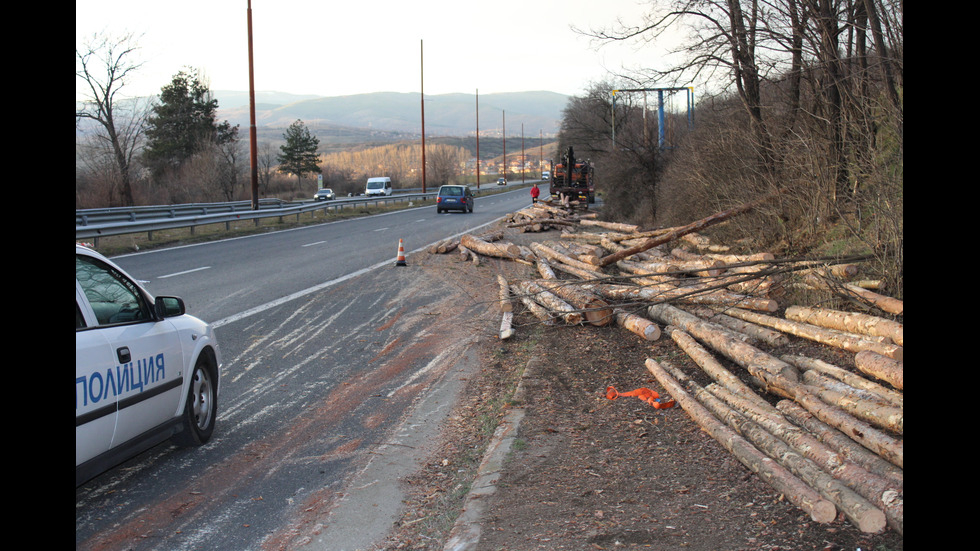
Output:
x,y
574,178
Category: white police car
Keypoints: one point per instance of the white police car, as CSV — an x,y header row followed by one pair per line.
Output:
x,y
145,371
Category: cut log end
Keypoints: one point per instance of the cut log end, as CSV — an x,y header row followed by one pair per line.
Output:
x,y
821,511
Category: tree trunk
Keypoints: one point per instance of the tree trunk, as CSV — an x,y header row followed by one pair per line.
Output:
x,y
857,508
852,322
829,337
480,246
538,311
881,367
881,393
781,378
684,230
540,295
782,480
551,254
880,415
505,304
842,443
506,326
713,367
615,226
596,311
764,334
885,303
637,324
722,341
882,492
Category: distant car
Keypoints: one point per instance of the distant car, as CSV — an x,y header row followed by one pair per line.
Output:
x,y
454,197
145,370
324,194
501,181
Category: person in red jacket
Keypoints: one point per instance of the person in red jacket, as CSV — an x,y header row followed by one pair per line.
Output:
x,y
535,191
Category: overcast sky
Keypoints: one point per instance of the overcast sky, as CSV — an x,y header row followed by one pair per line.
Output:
x,y
339,48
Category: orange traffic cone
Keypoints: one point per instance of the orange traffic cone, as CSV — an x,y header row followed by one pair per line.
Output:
x,y
400,261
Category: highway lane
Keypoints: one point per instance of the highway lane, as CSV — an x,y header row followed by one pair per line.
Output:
x,y
336,363
222,280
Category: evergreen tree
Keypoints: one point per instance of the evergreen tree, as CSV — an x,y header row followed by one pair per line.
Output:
x,y
183,123
298,155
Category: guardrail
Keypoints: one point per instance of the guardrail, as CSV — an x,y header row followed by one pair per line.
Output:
x,y
95,223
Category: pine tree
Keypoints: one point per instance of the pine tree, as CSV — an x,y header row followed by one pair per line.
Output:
x,y
299,154
183,123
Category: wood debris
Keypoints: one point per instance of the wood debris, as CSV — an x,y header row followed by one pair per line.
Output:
x,y
833,441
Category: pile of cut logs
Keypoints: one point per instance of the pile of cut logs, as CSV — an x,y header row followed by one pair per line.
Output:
x,y
832,443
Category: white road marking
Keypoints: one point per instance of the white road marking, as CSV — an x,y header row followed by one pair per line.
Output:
x,y
185,272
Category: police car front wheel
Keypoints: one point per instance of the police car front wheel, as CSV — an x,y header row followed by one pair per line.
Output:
x,y
200,410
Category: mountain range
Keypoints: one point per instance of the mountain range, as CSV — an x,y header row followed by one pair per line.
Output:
x,y
392,113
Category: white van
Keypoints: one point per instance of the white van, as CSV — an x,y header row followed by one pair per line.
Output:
x,y
378,186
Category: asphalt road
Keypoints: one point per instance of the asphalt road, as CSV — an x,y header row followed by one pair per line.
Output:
x,y
338,366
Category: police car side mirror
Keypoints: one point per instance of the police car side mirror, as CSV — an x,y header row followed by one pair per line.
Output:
x,y
168,307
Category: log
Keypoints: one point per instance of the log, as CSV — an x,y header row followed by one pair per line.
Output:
x,y
815,378
886,446
578,272
434,248
882,492
881,367
505,304
880,415
466,254
885,303
713,367
615,226
881,393
684,230
545,269
856,507
707,292
597,312
538,311
835,271
764,334
486,248
851,322
841,443
551,254
548,300
822,335
781,479
780,378
722,341
637,324
447,246
696,264
742,258
506,325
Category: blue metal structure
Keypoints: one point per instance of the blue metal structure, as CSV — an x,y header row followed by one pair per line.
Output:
x,y
661,118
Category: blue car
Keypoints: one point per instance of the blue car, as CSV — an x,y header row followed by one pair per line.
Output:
x,y
454,197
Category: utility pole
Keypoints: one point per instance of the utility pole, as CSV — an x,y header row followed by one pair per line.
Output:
x,y
252,140
477,138
422,78
523,155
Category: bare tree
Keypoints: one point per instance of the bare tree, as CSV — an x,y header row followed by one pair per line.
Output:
x,y
444,162
722,46
102,66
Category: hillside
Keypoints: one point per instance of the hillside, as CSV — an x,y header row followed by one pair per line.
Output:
x,y
363,115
